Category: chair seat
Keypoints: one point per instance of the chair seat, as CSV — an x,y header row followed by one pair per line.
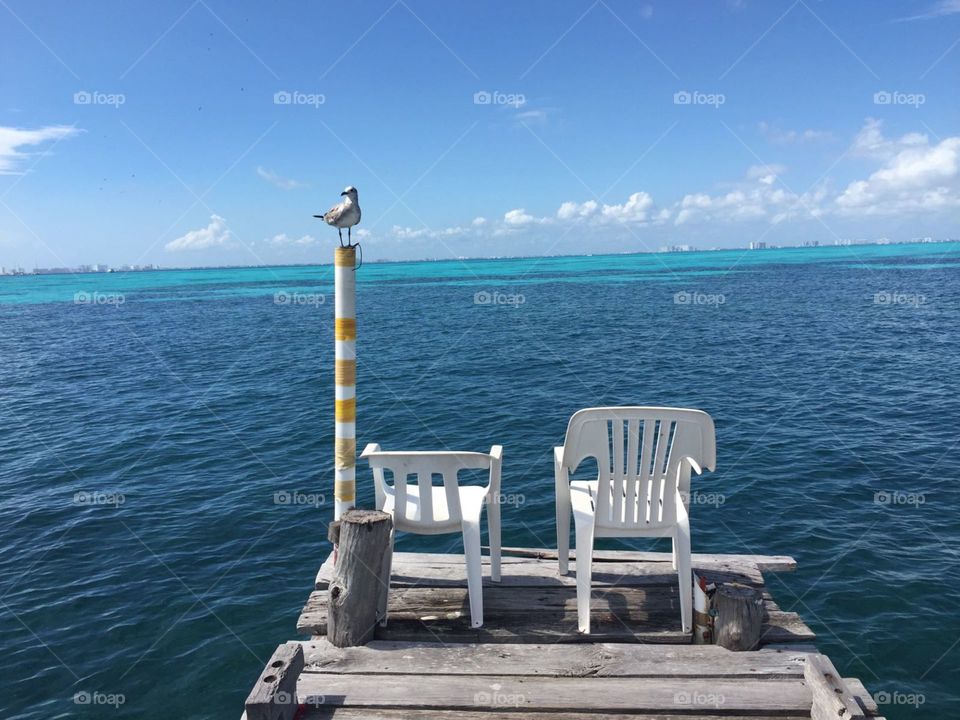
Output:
x,y
583,501
471,504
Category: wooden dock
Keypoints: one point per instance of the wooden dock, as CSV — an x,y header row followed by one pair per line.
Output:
x,y
528,657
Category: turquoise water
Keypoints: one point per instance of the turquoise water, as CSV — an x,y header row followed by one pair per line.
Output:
x,y
148,420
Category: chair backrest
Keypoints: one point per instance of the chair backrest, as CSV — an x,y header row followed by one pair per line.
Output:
x,y
644,456
426,465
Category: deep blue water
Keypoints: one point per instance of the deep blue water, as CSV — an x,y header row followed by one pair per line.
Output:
x,y
178,403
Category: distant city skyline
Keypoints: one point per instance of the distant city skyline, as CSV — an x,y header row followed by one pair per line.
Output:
x,y
753,245
207,133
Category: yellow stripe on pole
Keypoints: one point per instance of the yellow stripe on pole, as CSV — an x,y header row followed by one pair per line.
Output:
x,y
346,373
345,328
345,490
345,257
346,411
345,453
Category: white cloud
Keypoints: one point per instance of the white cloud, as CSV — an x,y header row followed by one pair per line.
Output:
x,y
870,141
215,234
916,175
479,221
12,139
792,137
938,9
284,240
765,174
635,209
274,179
520,216
646,11
572,210
531,117
760,196
638,208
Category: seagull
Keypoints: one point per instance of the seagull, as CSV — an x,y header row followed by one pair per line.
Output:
x,y
345,214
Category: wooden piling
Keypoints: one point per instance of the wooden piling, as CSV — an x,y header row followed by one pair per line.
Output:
x,y
357,587
739,616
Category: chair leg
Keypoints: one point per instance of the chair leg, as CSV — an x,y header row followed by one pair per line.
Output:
x,y
563,531
471,550
673,550
385,571
493,530
684,576
584,574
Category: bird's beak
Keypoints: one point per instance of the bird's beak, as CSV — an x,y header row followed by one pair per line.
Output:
x,y
343,193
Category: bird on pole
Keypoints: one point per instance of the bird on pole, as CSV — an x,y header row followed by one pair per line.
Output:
x,y
344,214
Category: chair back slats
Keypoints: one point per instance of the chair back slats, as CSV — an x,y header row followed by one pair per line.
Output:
x,y
644,478
633,471
618,475
640,454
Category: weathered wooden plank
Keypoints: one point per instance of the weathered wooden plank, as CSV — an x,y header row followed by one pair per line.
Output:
x,y
773,563
327,712
537,694
780,628
553,660
527,614
274,695
447,569
860,692
832,698
411,571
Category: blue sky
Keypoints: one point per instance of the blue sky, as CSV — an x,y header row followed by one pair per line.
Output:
x,y
140,132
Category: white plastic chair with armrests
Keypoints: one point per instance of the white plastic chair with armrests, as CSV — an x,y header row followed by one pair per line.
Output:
x,y
446,508
644,457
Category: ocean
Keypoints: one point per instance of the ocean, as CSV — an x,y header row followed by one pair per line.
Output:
x,y
166,437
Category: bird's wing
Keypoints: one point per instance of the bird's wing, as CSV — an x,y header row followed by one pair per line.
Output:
x,y
335,213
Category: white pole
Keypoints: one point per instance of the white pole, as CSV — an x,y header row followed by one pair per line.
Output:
x,y
345,379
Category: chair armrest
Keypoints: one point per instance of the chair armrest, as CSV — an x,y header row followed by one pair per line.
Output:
x,y
496,457
370,449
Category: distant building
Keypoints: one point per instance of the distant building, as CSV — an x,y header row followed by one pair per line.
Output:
x,y
758,245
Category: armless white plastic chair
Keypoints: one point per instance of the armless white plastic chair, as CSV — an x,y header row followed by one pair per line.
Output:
x,y
428,509
644,456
